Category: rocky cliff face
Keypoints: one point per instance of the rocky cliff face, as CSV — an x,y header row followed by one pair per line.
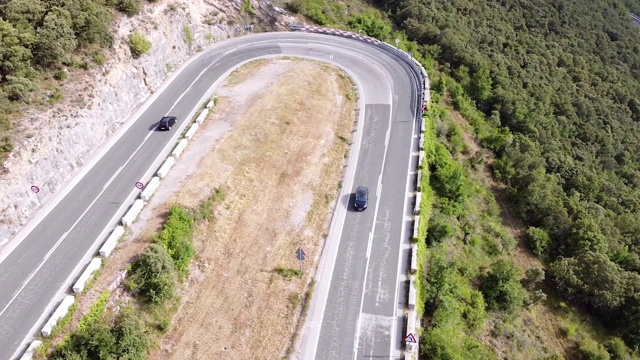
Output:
x,y
57,141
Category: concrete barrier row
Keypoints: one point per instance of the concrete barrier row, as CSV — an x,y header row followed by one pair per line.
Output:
x,y
166,166
419,181
93,266
112,241
131,215
151,187
28,355
60,312
177,151
414,257
192,131
416,208
203,116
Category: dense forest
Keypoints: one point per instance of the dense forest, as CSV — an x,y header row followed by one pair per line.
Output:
x,y
38,38
561,80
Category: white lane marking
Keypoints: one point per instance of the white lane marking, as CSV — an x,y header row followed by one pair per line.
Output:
x,y
34,273
369,244
375,216
112,177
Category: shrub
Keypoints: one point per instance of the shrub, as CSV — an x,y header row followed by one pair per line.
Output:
x,y
138,44
591,350
60,75
617,349
175,238
501,286
129,331
288,273
95,311
129,7
538,240
439,229
153,275
94,342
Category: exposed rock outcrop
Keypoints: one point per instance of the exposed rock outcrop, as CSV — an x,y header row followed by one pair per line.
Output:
x,y
57,141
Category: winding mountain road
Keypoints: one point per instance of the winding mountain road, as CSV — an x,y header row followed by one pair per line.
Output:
x,y
356,310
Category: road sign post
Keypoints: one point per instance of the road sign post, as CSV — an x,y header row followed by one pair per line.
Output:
x,y
410,338
36,190
300,255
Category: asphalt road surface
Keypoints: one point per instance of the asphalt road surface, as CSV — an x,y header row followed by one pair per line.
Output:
x,y
360,317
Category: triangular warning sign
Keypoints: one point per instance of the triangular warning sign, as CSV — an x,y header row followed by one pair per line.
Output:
x,y
410,338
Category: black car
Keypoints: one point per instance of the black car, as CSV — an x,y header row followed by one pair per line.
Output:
x,y
166,123
362,198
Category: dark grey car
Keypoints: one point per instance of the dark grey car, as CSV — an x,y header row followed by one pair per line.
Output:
x,y
166,123
362,198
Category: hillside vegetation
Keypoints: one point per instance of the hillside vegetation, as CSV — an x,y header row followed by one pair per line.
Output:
x,y
551,88
39,39
563,79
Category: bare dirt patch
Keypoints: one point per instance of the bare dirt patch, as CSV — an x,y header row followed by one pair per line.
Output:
x,y
279,167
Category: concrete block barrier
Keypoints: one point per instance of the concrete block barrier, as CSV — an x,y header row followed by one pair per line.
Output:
x,y
415,230
423,125
164,169
133,212
419,181
210,104
112,241
421,143
60,312
411,347
192,131
28,355
151,187
412,295
416,208
414,258
179,148
93,266
202,117
420,159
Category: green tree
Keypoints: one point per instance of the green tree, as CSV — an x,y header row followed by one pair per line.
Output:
x,y
538,240
153,275
130,333
591,278
91,22
15,59
55,38
129,7
175,237
501,286
372,24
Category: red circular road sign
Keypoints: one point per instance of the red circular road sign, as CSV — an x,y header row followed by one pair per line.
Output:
x,y
139,185
35,189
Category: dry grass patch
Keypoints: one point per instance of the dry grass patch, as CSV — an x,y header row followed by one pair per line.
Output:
x,y
280,166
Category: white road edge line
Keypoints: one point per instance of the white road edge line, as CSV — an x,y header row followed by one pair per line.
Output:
x,y
375,216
